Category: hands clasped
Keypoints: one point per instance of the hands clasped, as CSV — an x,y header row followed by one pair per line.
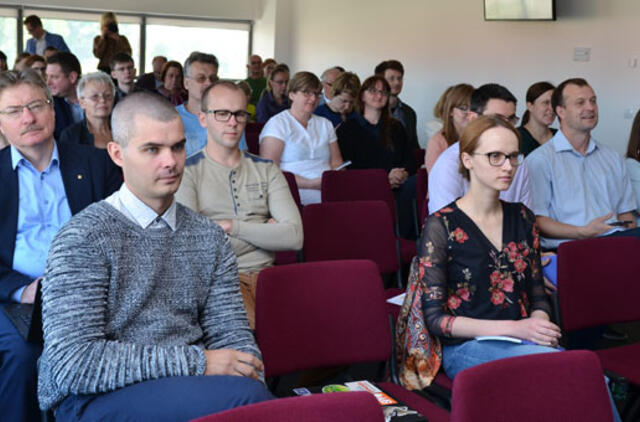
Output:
x,y
539,331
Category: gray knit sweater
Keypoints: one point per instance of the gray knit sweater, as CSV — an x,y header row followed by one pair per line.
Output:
x,y
122,304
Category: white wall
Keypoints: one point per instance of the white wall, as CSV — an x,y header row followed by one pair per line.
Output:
x,y
444,42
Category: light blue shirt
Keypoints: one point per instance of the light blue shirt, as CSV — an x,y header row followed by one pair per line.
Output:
x,y
140,213
573,188
77,113
633,168
195,134
42,209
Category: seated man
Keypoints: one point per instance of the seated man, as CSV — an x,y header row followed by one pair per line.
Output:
x,y
446,184
579,186
246,195
43,184
153,80
140,294
123,71
393,72
63,73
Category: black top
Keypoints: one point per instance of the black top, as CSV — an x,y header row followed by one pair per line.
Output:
x,y
466,275
529,143
360,143
77,133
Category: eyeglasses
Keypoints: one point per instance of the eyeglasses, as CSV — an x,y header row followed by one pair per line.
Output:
x,y
497,158
241,116
35,107
107,96
202,78
374,91
307,93
282,82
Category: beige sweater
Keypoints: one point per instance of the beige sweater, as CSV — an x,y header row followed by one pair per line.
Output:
x,y
250,195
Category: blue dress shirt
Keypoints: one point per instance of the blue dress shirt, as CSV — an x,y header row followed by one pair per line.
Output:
x,y
42,209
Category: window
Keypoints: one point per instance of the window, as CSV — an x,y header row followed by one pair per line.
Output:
x,y
176,39
8,34
79,30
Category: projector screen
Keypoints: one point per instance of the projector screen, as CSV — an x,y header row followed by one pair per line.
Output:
x,y
519,10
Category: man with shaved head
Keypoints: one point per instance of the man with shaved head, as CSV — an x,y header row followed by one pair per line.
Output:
x,y
141,294
256,79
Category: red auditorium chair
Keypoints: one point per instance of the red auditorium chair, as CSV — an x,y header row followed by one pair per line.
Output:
x,y
342,407
366,185
564,386
598,284
326,314
290,257
422,210
252,134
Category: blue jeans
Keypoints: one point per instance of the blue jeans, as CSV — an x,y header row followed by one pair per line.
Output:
x,y
472,352
165,399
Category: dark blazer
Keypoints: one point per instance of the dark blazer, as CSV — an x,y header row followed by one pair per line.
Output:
x,y
77,133
147,81
411,128
51,40
88,175
64,116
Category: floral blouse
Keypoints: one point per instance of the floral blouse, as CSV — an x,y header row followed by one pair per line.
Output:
x,y
465,275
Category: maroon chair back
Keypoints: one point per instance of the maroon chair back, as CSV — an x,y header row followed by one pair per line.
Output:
x,y
358,185
252,134
321,314
418,155
343,407
565,386
421,195
293,187
350,230
598,281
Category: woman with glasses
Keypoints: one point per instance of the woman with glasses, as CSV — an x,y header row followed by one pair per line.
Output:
x,y
479,258
96,94
375,140
299,141
172,87
455,105
274,100
535,129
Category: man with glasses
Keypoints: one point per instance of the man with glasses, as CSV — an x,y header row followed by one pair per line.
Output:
x,y
141,307
580,187
200,72
256,79
445,181
328,77
123,70
43,184
63,73
246,195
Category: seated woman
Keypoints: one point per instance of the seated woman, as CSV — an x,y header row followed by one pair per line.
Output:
x,y
632,162
481,260
535,129
274,100
96,93
172,87
453,112
299,141
375,140
344,90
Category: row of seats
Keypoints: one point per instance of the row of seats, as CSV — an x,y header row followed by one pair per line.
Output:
x,y
341,319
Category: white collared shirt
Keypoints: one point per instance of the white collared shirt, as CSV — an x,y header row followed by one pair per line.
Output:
x,y
140,213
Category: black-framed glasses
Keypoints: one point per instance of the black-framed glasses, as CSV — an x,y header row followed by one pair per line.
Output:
x,y
241,116
35,107
497,158
374,91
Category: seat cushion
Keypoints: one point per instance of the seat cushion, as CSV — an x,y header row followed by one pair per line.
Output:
x,y
416,402
408,250
623,360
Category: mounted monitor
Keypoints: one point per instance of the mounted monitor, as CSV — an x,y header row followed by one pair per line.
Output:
x,y
519,10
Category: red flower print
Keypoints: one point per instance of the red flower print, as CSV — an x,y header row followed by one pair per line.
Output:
x,y
520,265
512,246
459,235
523,310
463,293
494,278
507,284
525,252
497,297
453,302
446,210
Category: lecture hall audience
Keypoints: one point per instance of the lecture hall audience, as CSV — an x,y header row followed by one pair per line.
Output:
x,y
535,130
275,99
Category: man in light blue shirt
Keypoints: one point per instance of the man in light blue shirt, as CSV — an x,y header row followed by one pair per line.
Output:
x,y
579,186
43,184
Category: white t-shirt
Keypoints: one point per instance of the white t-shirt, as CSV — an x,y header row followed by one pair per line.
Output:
x,y
306,151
